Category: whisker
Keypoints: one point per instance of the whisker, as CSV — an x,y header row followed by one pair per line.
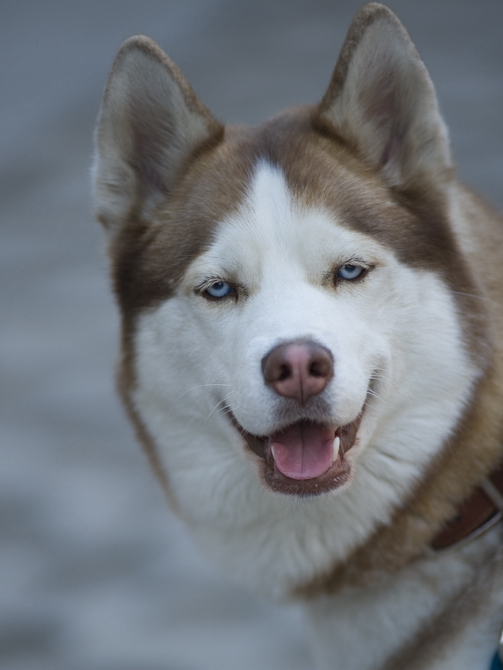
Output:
x,y
381,375
193,388
376,395
219,407
472,295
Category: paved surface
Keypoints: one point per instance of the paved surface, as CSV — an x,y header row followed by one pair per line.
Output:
x,y
94,572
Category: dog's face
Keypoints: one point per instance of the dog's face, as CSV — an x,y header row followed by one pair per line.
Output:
x,y
285,329
291,334
287,291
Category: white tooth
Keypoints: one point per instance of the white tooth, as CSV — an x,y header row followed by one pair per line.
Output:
x,y
272,452
337,444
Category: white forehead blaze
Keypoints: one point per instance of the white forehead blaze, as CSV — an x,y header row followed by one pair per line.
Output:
x,y
273,233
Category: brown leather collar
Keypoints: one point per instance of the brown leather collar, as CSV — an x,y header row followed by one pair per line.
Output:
x,y
476,514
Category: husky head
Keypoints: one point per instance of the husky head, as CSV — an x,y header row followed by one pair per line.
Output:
x,y
291,293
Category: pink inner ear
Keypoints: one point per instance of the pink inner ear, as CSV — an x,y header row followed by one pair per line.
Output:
x,y
381,101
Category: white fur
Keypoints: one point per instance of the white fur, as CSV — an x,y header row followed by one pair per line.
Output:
x,y
194,356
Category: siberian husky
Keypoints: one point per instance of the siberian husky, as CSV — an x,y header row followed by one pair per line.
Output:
x,y
311,346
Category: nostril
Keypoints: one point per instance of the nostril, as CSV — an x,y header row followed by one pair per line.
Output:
x,y
321,367
275,368
285,372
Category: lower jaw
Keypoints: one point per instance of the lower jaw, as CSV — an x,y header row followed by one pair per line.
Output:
x,y
334,478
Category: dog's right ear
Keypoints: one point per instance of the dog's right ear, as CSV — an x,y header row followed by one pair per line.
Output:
x,y
150,123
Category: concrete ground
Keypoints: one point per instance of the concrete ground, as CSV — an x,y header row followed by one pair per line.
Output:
x,y
95,574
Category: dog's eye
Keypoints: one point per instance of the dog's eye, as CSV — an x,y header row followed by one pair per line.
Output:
x,y
219,289
350,271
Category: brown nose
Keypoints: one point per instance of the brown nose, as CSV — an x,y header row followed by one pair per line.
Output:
x,y
298,369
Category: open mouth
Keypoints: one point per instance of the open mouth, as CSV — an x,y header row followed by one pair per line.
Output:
x,y
304,458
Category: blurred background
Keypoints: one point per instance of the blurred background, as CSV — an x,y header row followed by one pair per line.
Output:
x,y
95,573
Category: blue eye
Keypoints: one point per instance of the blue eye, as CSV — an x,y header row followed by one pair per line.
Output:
x,y
219,289
350,271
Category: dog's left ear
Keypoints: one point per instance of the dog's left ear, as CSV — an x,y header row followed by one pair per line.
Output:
x,y
381,102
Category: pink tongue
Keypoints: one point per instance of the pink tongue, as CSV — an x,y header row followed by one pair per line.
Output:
x,y
304,450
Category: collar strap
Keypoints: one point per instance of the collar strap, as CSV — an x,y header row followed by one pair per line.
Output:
x,y
475,515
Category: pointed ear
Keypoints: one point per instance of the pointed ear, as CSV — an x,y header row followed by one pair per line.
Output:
x,y
150,123
381,101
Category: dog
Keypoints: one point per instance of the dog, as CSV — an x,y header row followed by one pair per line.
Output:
x,y
312,355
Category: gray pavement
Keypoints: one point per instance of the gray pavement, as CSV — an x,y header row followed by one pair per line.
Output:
x,y
95,574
